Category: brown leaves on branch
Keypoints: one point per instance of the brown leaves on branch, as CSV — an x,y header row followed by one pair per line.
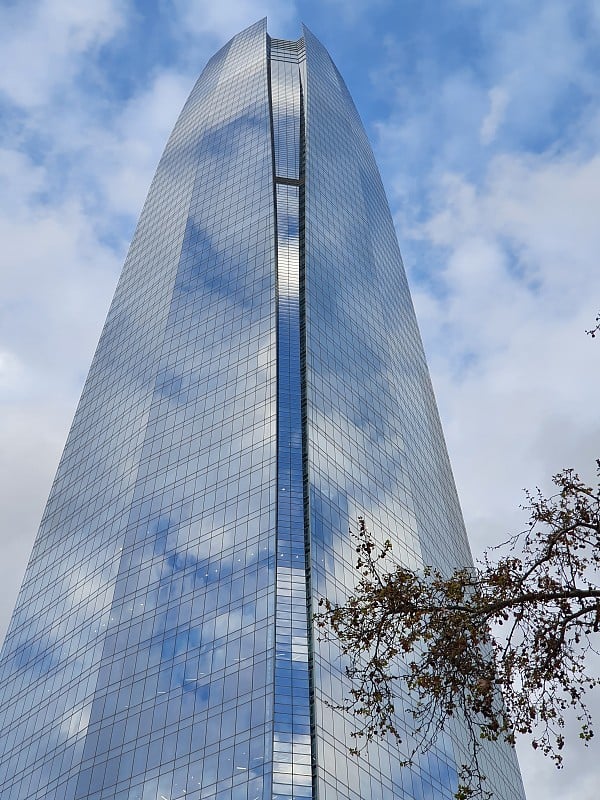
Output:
x,y
502,645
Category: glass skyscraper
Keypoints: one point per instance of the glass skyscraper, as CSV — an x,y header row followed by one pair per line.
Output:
x,y
260,383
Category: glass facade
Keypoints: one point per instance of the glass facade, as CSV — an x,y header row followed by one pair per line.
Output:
x,y
259,383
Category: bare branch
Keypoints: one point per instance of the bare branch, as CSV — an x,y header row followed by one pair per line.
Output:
x,y
596,327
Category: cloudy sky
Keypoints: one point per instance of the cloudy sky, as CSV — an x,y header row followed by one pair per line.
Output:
x,y
485,120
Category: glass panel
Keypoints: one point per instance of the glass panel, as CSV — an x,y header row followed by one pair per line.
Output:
x,y
156,552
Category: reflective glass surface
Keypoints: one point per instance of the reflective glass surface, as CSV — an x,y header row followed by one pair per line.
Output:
x,y
139,663
375,444
259,383
292,773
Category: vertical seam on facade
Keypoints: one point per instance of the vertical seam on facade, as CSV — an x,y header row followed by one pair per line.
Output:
x,y
276,308
294,717
304,422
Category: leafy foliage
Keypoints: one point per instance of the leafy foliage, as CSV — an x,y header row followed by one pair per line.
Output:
x,y
502,645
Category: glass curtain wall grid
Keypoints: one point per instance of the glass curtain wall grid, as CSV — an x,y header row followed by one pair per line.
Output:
x,y
259,383
292,752
140,660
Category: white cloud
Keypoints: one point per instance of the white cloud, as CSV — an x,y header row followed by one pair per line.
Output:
x,y
57,278
224,19
124,157
491,122
512,365
41,44
538,210
10,372
539,56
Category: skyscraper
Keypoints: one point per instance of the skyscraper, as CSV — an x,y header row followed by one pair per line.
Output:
x,y
259,383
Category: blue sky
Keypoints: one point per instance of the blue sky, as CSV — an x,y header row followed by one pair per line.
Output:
x,y
485,120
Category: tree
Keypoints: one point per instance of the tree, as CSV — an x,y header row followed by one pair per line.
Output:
x,y
502,645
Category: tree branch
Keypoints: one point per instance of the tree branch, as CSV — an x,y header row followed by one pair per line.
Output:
x,y
436,637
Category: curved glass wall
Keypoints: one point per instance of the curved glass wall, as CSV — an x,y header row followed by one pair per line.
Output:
x,y
259,383
375,443
139,663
